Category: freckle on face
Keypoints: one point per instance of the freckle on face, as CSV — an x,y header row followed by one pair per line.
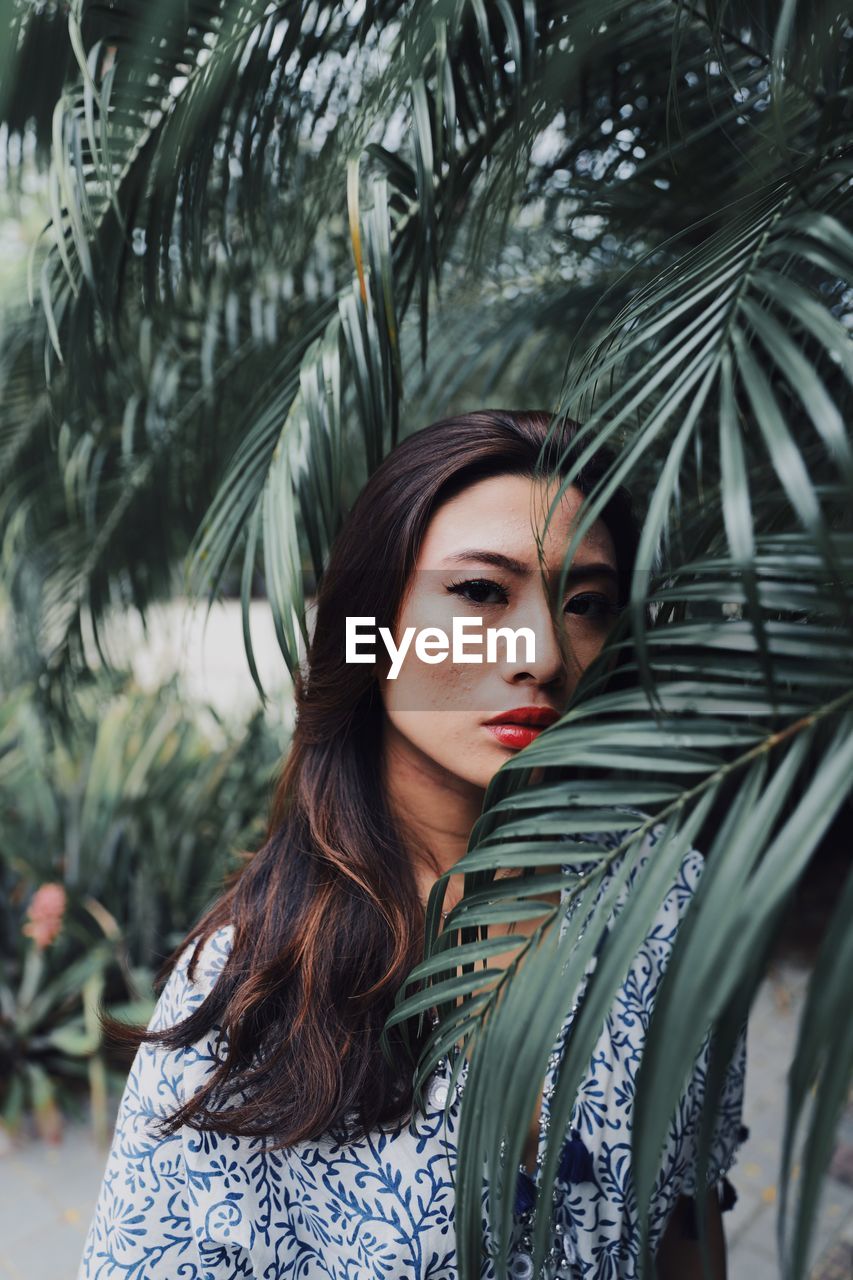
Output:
x,y
438,710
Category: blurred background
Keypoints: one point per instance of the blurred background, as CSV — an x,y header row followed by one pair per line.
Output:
x,y
198,282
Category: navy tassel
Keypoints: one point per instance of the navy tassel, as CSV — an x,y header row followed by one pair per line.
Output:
x,y
575,1166
525,1193
576,1162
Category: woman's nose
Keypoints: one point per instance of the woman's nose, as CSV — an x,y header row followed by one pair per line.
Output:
x,y
547,664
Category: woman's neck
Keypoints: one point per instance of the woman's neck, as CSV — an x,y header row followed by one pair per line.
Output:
x,y
434,809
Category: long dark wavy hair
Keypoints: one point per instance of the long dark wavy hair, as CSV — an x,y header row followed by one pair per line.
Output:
x,y
327,918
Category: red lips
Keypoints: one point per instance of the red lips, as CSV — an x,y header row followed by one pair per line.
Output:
x,y
518,728
540,716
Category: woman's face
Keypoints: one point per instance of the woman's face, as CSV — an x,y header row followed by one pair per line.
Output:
x,y
479,560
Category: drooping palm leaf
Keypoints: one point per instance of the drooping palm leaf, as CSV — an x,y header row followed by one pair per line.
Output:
x,y
697,342
188,122
718,722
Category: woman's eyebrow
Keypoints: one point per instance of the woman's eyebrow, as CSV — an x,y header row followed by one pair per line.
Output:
x,y
495,558
589,569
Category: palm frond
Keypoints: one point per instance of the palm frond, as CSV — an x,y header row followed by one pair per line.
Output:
x,y
184,125
717,723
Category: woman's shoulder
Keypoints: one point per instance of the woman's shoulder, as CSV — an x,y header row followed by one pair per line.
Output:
x,y
688,867
172,1072
146,1221
682,872
626,849
193,977
631,836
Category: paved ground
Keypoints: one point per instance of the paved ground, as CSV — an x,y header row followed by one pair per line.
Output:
x,y
751,1224
47,1193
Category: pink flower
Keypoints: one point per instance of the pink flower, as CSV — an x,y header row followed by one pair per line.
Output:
x,y
44,916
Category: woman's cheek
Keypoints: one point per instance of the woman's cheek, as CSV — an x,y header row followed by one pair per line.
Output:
x,y
441,686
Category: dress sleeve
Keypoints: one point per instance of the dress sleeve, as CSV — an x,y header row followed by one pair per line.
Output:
x,y
729,1131
143,1228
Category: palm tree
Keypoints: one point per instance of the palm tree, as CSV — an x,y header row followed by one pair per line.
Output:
x,y
275,229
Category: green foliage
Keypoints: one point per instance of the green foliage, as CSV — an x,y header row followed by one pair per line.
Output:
x,y
283,234
138,815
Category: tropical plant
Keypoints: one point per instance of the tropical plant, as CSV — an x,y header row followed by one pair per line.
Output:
x,y
136,806
54,961
50,1036
269,219
115,833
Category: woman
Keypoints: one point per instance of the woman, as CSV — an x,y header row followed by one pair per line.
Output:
x,y
262,1132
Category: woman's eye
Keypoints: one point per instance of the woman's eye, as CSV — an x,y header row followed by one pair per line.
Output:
x,y
480,591
591,604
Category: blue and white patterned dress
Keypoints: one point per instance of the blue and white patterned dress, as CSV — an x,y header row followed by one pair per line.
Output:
x,y
201,1206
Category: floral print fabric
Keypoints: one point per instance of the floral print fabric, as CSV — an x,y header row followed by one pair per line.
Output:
x,y
201,1206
